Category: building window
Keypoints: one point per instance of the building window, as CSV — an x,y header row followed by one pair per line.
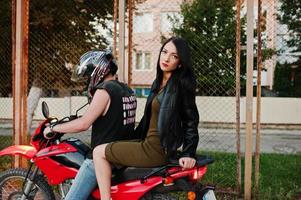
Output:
x,y
143,22
146,92
170,20
143,61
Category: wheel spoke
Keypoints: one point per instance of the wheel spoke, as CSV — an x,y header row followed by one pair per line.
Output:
x,y
12,182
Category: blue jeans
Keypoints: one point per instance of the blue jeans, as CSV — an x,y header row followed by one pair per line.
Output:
x,y
84,182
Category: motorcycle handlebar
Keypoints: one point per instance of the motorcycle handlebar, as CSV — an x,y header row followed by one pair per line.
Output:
x,y
54,121
67,119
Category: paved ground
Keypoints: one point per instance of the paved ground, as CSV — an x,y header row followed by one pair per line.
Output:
x,y
272,140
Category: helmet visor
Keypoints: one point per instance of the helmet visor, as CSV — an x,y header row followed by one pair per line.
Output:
x,y
77,73
86,65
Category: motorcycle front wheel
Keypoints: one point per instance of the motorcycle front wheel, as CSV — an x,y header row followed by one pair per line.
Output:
x,y
12,182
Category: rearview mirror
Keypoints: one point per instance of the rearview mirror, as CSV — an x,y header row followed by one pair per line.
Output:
x,y
45,110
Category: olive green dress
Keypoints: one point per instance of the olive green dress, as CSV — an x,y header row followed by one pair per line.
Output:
x,y
147,153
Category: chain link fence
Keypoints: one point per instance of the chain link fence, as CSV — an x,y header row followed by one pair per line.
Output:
x,y
60,31
209,27
283,37
59,34
5,79
281,77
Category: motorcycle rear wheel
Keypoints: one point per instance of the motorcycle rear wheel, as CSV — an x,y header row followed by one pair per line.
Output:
x,y
11,186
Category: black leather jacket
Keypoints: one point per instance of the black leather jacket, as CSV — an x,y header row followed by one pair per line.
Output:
x,y
177,121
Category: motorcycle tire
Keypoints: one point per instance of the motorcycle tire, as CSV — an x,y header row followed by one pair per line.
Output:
x,y
157,196
11,186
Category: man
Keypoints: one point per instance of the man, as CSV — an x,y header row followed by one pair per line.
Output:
x,y
111,113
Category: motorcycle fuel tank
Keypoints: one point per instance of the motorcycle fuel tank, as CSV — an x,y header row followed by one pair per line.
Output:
x,y
73,159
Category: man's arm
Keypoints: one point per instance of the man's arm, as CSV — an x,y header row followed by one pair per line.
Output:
x,y
98,106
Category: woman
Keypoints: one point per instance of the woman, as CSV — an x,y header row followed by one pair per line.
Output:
x,y
170,120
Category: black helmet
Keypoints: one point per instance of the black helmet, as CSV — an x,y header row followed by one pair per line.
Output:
x,y
95,65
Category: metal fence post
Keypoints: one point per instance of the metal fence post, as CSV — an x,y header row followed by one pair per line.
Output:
x,y
115,28
130,42
238,153
258,102
20,16
121,48
249,100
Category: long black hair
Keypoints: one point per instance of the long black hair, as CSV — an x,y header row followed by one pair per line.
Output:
x,y
184,75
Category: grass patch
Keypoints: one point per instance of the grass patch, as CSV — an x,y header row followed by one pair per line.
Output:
x,y
5,161
222,171
280,175
5,141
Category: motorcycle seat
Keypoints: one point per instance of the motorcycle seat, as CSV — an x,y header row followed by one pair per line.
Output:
x,y
134,173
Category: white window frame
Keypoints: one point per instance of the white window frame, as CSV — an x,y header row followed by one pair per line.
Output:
x,y
143,67
143,23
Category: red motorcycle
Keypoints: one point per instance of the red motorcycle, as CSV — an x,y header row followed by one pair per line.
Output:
x,y
55,162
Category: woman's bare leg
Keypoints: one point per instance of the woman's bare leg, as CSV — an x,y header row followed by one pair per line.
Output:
x,y
103,171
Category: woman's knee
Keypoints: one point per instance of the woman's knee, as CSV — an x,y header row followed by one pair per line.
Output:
x,y
99,151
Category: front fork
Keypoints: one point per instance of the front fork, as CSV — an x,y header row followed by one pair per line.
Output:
x,y
29,182
62,191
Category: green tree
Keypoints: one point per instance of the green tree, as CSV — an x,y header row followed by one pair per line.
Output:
x,y
59,31
209,27
5,49
287,79
290,15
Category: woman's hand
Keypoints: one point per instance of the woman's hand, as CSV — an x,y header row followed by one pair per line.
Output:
x,y
187,162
